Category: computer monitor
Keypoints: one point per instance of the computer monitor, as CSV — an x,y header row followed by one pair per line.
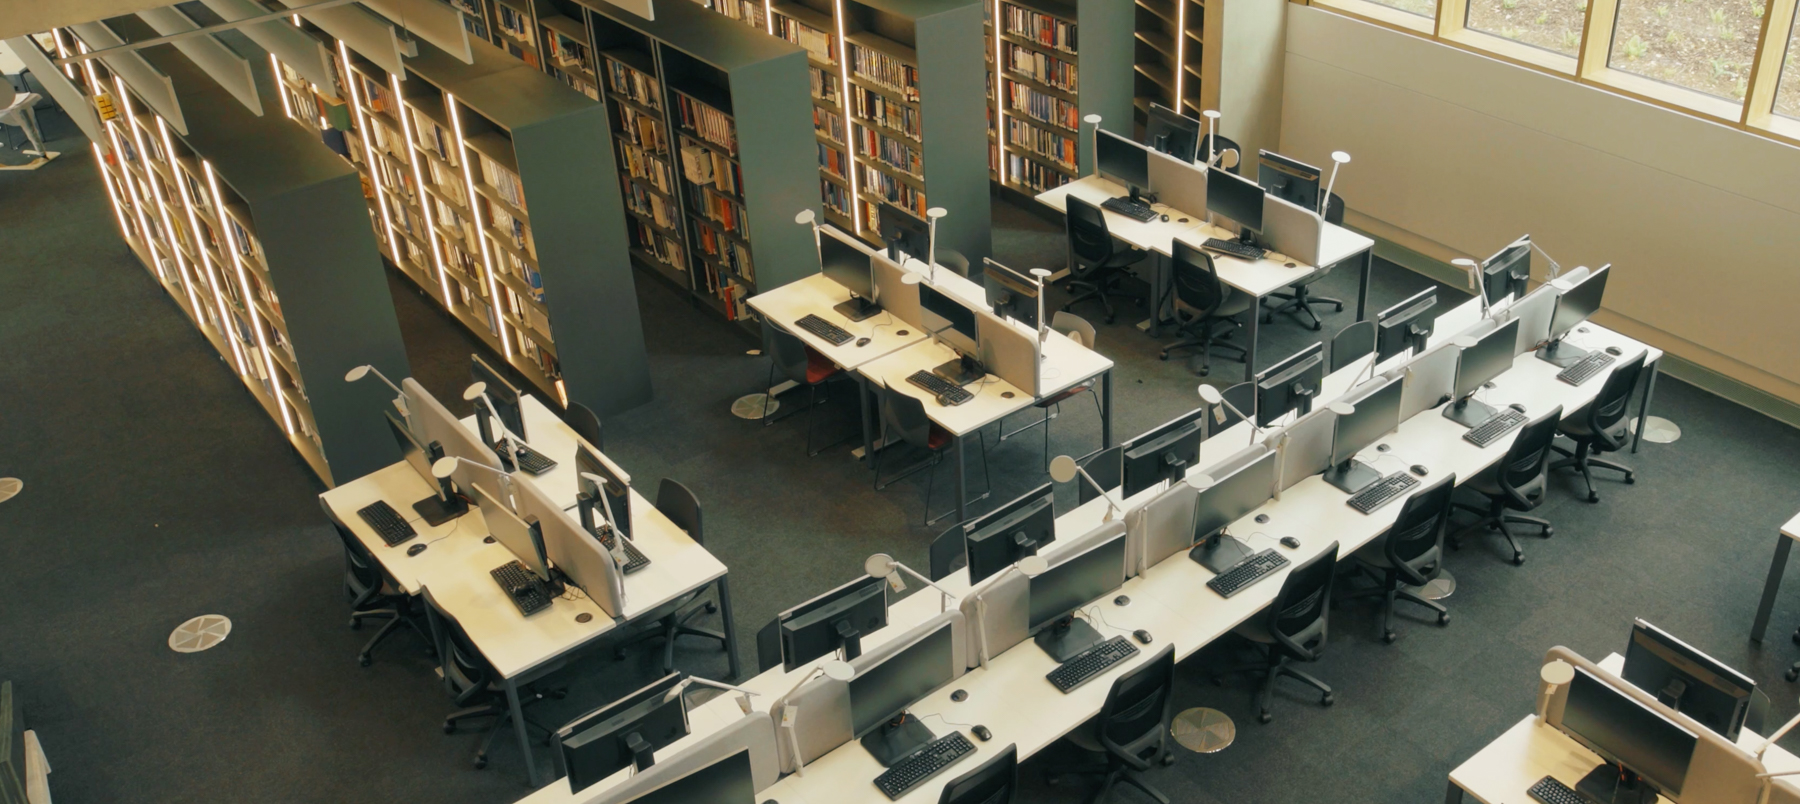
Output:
x,y
905,234
727,781
1573,307
446,504
1015,530
1686,680
506,402
1107,468
1290,180
1010,293
1405,325
1375,414
1232,495
1638,744
953,323
1508,271
1172,132
623,734
1121,160
1163,453
1237,198
1490,357
608,502
837,619
1290,385
846,263
880,694
523,539
1062,590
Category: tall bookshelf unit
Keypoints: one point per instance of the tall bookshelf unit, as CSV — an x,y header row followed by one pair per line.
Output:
x,y
1050,79
1169,55
232,218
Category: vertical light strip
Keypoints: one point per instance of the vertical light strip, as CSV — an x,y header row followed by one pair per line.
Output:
x,y
424,199
769,15
487,259
212,276
368,134
130,187
849,117
281,88
162,208
62,52
1000,138
237,259
118,208
1180,52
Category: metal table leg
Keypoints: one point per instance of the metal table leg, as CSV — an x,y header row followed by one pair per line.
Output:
x,y
1771,587
1256,314
1453,795
1644,406
518,720
962,489
864,392
1106,379
731,646
1362,293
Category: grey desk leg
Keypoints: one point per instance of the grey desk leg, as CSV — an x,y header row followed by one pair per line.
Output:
x,y
731,646
1453,794
864,392
1106,441
1256,314
1156,294
518,719
962,489
1362,293
1644,406
1772,586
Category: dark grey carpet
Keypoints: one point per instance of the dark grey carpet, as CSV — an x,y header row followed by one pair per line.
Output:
x,y
156,490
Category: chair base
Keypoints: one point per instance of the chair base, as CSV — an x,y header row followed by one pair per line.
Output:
x,y
1205,341
671,627
1110,777
1583,460
1274,668
1496,518
1391,588
502,720
1300,301
1104,289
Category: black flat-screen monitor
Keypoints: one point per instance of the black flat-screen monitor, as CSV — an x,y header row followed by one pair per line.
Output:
x,y
1625,732
1010,293
505,395
1577,303
1508,271
1121,160
1405,325
1686,680
626,733
950,319
1172,132
1058,593
1016,530
846,265
1163,453
882,693
904,233
1290,385
1233,496
1290,180
838,618
729,781
1374,415
616,503
1235,197
1490,357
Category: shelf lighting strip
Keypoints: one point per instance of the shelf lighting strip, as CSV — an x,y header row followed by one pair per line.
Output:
x,y
481,234
372,166
281,88
212,277
856,216
111,192
1000,137
262,340
162,206
1180,52
425,199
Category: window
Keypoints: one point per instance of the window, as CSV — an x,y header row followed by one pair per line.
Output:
x,y
1553,25
1703,45
1423,8
1787,92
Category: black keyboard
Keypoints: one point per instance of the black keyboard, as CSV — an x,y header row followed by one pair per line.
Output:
x,y
1244,573
936,757
523,586
387,522
1235,248
824,329
529,460
1139,211
1485,433
1091,663
1585,369
634,560
948,393
1550,791
1382,492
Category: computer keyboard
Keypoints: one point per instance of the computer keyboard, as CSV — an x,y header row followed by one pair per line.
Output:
x,y
1091,663
1254,568
1485,433
387,522
1585,369
824,329
520,584
1235,248
936,757
529,460
947,392
634,560
1382,492
1139,211
1550,791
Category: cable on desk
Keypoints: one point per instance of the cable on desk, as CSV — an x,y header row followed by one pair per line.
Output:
x,y
459,521
947,721
1100,612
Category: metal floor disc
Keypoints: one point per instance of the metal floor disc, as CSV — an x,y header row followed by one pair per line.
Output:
x,y
1658,430
1203,730
200,633
751,406
1443,586
10,488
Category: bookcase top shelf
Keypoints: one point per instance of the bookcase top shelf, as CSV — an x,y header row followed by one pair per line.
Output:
x,y
509,93
707,37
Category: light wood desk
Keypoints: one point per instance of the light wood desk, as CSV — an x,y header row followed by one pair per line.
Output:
x,y
817,295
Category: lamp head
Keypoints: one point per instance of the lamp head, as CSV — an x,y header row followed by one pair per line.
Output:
x,y
1201,481
805,217
1210,395
1558,672
443,467
1041,273
1211,114
839,670
1342,408
1469,267
911,278
1340,157
358,373
474,392
1465,342
936,212
1092,119
1063,469
1033,566
880,565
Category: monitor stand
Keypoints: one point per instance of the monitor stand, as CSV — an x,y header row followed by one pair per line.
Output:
x,y
1352,475
857,309
1067,638
1219,552
897,739
1610,784
1469,411
436,512
962,371
1561,353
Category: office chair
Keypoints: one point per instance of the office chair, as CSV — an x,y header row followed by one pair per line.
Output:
x,y
372,594
1292,629
1096,261
680,505
953,260
768,646
1301,299
1411,552
1602,427
1229,155
1077,329
582,420
800,364
1132,729
474,683
949,552
1352,343
1334,210
1202,302
1517,482
903,415
995,781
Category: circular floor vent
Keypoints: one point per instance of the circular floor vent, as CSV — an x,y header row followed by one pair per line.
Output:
x,y
200,633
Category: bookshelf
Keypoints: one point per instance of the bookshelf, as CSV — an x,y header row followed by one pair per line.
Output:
x,y
229,218
1169,55
1058,63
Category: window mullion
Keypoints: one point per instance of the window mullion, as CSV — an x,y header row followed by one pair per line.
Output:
x,y
1765,69
1596,38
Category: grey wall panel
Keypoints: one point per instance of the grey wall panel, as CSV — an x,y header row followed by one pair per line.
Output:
x,y
773,108
1106,44
953,111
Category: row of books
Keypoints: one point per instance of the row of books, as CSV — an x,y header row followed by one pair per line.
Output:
x,y
656,245
1047,144
475,25
528,56
833,161
566,52
1039,106
709,204
885,70
822,45
824,85
504,181
579,83
509,226
877,107
835,196
529,275
732,293
725,251
1040,67
650,205
637,86
1035,175
1038,27
639,163
893,152
512,21
434,138
702,165
643,130
893,190
828,124
708,123
749,12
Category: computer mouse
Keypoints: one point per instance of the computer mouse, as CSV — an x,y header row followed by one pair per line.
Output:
x,y
1165,217
1142,636
487,540
959,696
1614,351
1420,470
1290,542
415,550
982,733
862,341
1518,407
1262,519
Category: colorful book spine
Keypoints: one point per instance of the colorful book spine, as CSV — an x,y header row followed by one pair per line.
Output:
x,y
885,70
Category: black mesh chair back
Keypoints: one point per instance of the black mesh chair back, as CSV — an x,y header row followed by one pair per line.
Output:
x,y
466,672
1334,210
1197,284
680,505
1090,242
904,415
585,424
1606,414
995,781
949,552
1522,471
1107,468
954,260
1297,617
1241,396
1414,544
1352,343
361,572
768,646
787,352
1136,715
1210,143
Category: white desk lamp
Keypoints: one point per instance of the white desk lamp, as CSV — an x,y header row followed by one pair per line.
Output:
x,y
479,391
1338,160
365,370
883,566
1064,469
743,694
446,466
836,670
807,217
1217,401
1043,278
1477,282
933,214
1555,269
1212,144
1092,120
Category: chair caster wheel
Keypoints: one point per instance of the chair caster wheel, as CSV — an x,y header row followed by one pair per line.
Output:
x,y
618,655
364,661
559,694
355,624
1793,674
480,762
1326,699
1109,319
1389,637
1168,759
1265,717
1629,480
1163,356
1518,558
1548,532
1797,636
1219,681
1592,497
449,728
1444,618
1317,325
1204,371
712,608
